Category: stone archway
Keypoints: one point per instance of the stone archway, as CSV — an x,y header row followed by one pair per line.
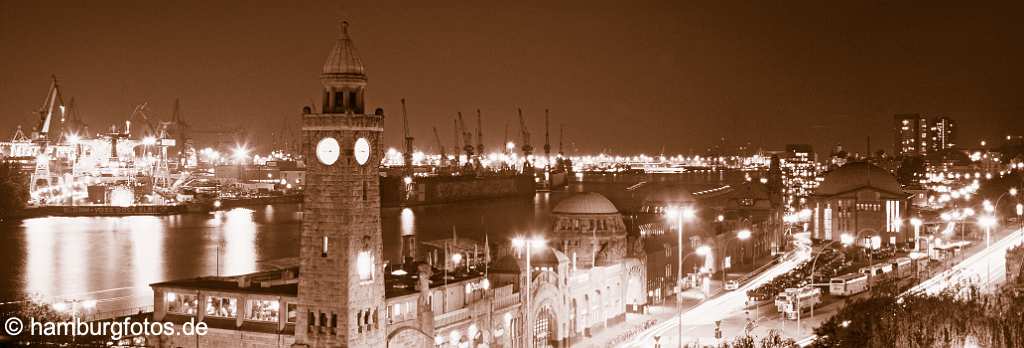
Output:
x,y
409,337
545,328
549,314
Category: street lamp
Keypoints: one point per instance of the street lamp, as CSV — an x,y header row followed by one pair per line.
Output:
x,y
987,222
741,235
680,214
917,232
744,234
529,244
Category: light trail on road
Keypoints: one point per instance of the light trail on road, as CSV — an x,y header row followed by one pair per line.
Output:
x,y
975,269
725,305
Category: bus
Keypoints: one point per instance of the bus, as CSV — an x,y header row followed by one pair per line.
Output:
x,y
904,267
848,285
796,300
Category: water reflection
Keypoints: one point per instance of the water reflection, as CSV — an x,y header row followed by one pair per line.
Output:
x,y
408,222
236,241
147,244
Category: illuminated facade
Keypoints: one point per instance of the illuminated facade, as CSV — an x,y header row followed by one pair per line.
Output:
x,y
912,136
863,202
943,134
800,170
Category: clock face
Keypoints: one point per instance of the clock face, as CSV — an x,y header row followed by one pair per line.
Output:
x,y
327,151
362,150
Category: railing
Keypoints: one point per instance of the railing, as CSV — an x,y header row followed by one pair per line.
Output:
x,y
116,313
501,302
445,319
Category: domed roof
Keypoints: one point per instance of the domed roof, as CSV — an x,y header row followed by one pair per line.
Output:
x,y
343,59
856,175
585,203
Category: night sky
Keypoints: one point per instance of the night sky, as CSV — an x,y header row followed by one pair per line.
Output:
x,y
624,76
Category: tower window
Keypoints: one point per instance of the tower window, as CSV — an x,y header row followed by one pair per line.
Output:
x,y
339,101
324,252
364,190
352,102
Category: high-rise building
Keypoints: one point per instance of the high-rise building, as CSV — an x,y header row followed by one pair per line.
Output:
x,y
943,133
341,287
912,136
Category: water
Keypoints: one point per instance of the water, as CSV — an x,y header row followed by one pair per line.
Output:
x,y
114,259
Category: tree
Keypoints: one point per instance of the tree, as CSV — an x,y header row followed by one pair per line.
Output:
x,y
13,189
951,319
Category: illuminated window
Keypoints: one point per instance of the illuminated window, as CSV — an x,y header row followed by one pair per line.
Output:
x,y
324,252
225,307
264,310
828,223
364,265
181,303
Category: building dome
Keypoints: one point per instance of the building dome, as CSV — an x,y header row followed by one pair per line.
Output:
x,y
856,175
343,61
585,203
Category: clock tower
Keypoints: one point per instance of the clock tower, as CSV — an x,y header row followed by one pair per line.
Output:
x,y
341,280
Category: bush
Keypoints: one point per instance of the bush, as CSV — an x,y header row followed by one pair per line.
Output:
x,y
943,320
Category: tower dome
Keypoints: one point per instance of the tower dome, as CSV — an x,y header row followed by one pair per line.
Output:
x,y
343,61
343,77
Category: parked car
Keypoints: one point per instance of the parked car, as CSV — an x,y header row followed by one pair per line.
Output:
x,y
732,285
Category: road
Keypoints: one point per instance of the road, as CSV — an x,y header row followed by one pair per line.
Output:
x,y
986,267
728,304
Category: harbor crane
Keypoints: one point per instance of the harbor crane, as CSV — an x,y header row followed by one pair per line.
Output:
x,y
561,134
458,142
526,147
479,134
467,141
444,157
53,102
407,153
547,141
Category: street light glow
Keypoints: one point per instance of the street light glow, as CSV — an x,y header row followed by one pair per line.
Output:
x,y
743,234
703,250
987,221
241,152
915,222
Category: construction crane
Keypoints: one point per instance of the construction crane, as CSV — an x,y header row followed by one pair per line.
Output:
x,y
526,147
407,154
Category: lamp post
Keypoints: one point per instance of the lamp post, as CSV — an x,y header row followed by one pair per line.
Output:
x,y
987,222
742,235
680,214
703,251
1020,217
917,233
529,244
